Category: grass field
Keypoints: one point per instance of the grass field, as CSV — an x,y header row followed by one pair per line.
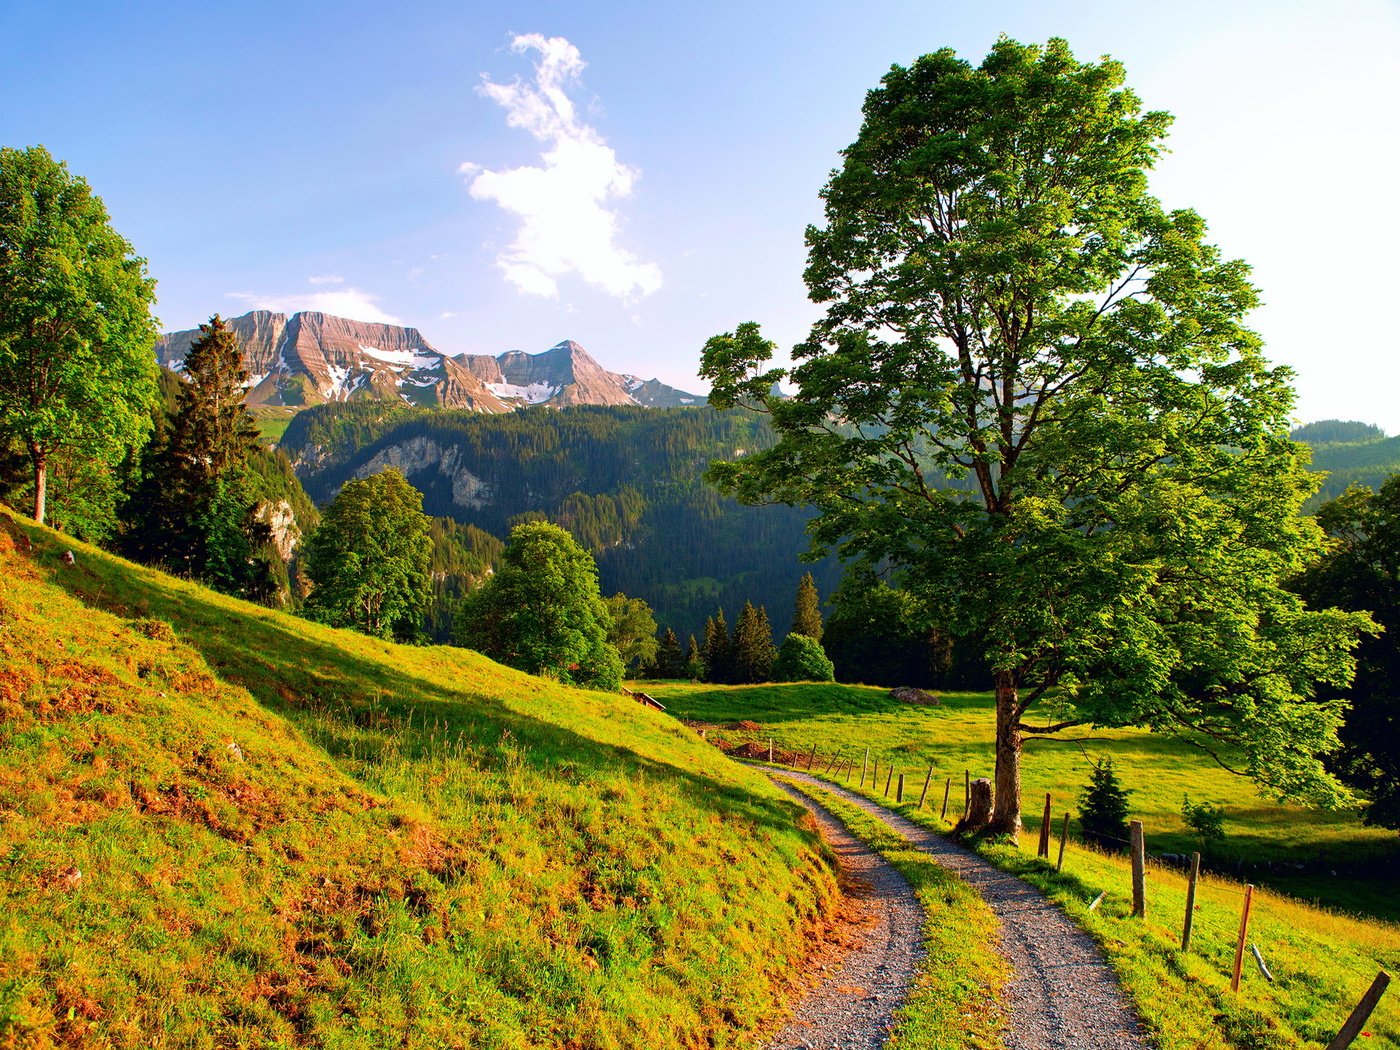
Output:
x,y
1322,961
224,826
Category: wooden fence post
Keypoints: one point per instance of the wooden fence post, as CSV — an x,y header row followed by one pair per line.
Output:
x,y
1042,848
811,758
863,763
1190,902
889,777
967,790
899,791
924,794
770,750
874,773
832,763
946,788
1239,945
1361,1014
1064,837
1139,872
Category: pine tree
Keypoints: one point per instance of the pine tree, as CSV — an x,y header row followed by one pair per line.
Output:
x,y
670,661
806,613
753,645
719,652
1103,807
213,433
694,662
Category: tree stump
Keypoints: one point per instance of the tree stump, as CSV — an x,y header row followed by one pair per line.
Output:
x,y
979,808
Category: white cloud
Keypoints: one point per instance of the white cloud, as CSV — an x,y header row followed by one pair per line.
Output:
x,y
352,303
565,226
447,315
327,278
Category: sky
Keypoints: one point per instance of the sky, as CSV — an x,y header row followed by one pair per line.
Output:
x,y
638,176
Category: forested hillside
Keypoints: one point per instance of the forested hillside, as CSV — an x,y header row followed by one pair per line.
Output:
x,y
1351,453
627,482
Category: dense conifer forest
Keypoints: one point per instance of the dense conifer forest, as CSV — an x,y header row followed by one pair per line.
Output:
x,y
626,482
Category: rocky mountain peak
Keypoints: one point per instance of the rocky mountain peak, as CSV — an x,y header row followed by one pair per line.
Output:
x,y
310,358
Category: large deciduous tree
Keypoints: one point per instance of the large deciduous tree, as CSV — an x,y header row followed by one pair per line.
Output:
x,y
1032,391
370,558
542,612
77,376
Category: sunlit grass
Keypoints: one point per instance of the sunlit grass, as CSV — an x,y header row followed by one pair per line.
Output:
x,y
224,826
1323,961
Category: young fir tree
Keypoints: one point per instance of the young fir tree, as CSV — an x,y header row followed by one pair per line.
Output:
x,y
719,661
754,652
1103,807
806,613
670,661
694,662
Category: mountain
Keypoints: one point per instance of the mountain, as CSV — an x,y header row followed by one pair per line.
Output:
x,y
314,358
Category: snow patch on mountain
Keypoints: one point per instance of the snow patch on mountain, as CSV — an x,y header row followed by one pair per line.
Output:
x,y
533,394
398,359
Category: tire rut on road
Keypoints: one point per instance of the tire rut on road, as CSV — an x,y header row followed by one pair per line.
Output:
x,y
1063,993
853,1007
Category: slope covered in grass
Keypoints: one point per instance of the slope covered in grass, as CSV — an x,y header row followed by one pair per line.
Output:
x,y
223,826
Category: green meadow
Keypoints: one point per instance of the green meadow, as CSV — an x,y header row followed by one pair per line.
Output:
x,y
1322,959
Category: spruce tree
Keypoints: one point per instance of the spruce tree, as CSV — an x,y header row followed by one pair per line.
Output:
x,y
694,662
719,657
670,661
1103,807
213,433
753,645
806,613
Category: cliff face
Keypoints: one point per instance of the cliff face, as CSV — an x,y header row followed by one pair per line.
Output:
x,y
311,358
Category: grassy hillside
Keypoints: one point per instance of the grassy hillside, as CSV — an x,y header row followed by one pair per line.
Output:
x,y
223,826
1322,962
1351,454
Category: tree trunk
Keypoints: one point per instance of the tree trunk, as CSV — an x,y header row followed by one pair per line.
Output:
x,y
1006,813
41,486
979,806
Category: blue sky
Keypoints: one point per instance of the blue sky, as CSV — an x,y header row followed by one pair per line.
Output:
x,y
373,159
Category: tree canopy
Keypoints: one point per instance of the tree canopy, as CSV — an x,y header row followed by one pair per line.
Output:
x,y
369,558
77,375
1033,392
542,613
1362,571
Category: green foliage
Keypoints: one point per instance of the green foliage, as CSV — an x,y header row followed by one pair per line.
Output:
x,y
542,612
885,636
1361,570
633,630
1207,821
1054,421
1337,431
1348,454
77,376
802,659
369,559
463,556
719,649
806,612
670,660
694,662
1103,807
753,651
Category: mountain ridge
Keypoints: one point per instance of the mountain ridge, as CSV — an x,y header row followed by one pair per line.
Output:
x,y
310,358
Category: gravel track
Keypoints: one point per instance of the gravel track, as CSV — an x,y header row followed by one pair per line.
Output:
x,y
1063,993
853,1007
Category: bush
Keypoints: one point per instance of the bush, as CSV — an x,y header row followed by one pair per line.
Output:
x,y
1103,808
802,659
1207,821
